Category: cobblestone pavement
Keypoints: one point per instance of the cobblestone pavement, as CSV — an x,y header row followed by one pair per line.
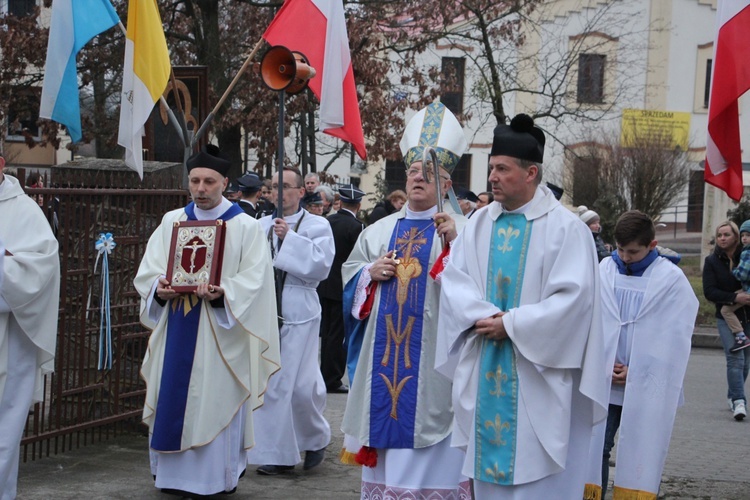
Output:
x,y
707,457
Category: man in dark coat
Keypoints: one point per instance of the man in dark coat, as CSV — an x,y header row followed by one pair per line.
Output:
x,y
249,186
346,228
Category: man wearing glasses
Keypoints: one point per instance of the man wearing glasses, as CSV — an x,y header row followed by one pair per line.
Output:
x,y
398,417
291,420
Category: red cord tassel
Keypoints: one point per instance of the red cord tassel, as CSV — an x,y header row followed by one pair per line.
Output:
x,y
367,456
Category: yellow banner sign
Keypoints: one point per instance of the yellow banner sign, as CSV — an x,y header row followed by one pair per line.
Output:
x,y
640,126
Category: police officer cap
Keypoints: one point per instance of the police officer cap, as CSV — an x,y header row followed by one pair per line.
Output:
x,y
312,199
250,183
350,194
466,194
209,157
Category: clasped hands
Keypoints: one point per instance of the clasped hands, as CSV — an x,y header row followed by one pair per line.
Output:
x,y
204,291
492,327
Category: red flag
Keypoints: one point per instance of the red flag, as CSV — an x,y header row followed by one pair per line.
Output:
x,y
317,29
730,79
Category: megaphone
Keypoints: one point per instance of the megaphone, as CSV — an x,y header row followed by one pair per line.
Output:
x,y
282,69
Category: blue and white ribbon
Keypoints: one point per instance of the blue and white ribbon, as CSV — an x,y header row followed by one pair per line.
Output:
x,y
104,246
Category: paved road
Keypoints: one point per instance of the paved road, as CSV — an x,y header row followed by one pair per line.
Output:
x,y
707,458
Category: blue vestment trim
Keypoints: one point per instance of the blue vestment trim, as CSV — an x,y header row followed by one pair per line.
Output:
x,y
354,329
398,338
497,393
182,334
232,211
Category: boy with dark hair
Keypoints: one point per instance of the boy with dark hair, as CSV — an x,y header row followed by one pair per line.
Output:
x,y
648,313
742,273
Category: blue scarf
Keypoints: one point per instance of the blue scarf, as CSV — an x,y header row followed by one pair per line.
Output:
x,y
635,268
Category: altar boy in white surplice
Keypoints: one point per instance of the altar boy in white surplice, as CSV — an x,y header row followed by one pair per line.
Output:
x,y
519,332
649,312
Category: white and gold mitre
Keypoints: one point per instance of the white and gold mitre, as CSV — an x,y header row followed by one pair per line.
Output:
x,y
437,127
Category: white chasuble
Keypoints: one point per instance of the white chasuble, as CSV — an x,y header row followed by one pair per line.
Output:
x,y
556,337
426,400
230,366
31,278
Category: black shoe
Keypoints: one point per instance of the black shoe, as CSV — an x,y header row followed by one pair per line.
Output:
x,y
273,470
313,458
740,343
342,389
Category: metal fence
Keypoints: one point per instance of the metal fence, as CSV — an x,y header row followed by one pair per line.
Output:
x,y
83,404
687,215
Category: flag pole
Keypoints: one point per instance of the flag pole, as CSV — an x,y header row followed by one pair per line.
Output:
x,y
183,124
236,79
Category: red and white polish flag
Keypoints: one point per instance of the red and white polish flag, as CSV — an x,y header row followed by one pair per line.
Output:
x,y
317,29
730,79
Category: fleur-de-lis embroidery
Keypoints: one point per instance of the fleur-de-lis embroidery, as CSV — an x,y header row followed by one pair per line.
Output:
x,y
507,234
499,377
502,283
499,427
495,473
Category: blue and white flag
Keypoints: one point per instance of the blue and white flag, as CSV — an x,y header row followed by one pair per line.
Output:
x,y
74,23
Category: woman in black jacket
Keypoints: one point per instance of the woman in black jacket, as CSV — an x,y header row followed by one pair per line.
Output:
x,y
390,205
720,287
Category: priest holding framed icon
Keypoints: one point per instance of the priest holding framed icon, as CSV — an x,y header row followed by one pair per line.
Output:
x,y
203,284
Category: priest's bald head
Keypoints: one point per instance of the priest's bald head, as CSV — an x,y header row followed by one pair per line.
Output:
x,y
207,176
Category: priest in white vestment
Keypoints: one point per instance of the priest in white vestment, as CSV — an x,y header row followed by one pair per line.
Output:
x,y
519,332
398,416
291,421
211,352
648,310
29,298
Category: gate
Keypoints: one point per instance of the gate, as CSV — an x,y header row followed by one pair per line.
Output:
x,y
81,403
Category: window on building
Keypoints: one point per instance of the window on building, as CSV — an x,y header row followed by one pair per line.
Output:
x,y
461,176
23,115
395,175
19,8
585,181
707,88
452,84
591,78
703,66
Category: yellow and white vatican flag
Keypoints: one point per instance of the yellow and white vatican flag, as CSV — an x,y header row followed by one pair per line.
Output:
x,y
144,77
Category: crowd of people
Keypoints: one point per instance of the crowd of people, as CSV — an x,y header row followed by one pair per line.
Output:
x,y
491,351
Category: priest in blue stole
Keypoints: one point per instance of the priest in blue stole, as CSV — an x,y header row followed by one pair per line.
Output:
x,y
211,352
398,416
520,332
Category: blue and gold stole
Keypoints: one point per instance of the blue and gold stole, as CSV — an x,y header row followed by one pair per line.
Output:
x,y
398,338
182,335
497,392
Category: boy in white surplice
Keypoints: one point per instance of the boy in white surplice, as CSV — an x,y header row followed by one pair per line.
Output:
x,y
649,310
